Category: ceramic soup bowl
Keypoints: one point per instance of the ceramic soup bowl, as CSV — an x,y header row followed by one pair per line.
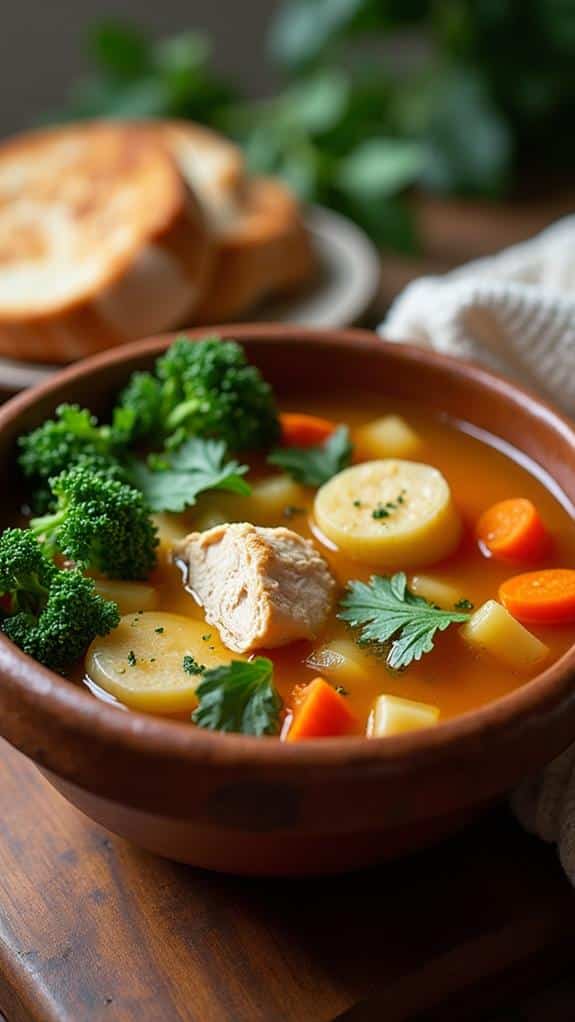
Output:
x,y
249,805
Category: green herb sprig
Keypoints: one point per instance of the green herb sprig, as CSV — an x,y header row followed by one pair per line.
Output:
x,y
314,466
179,477
386,611
239,697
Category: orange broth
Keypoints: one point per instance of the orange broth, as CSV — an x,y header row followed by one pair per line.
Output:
x,y
480,471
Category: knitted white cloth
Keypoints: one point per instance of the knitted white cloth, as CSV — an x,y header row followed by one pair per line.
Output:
x,y
514,312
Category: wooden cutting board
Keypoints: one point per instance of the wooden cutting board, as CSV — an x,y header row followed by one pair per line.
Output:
x,y
93,929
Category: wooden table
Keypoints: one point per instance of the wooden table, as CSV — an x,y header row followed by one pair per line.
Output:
x,y
93,929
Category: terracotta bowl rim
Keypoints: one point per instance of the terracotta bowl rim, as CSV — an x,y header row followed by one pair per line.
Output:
x,y
135,731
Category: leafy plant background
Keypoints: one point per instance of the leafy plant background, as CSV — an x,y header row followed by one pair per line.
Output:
x,y
456,97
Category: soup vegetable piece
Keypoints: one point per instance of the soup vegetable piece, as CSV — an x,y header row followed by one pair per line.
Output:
x,y
202,389
381,594
99,523
72,438
392,512
51,614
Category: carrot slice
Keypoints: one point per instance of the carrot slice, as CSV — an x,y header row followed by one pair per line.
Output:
x,y
541,597
320,712
301,430
512,530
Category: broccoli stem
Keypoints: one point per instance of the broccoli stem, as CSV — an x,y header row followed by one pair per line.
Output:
x,y
45,525
180,414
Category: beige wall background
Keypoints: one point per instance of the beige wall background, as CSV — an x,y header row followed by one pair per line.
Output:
x,y
42,44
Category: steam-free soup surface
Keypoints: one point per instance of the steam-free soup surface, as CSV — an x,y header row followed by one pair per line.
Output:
x,y
453,677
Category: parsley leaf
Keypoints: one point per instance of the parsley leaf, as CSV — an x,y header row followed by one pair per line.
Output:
x,y
175,480
313,466
239,696
385,609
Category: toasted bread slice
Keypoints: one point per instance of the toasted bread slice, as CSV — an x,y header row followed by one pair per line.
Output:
x,y
211,165
265,251
101,241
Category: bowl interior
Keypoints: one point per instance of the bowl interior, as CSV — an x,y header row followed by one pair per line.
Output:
x,y
295,360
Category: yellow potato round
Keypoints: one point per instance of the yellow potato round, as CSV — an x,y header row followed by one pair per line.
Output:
x,y
389,513
153,678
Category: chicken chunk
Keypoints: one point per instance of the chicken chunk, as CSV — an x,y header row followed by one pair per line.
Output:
x,y
259,587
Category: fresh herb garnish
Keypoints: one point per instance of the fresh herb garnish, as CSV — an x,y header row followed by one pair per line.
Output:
x,y
384,608
191,665
380,512
180,476
132,659
240,697
464,605
357,503
341,691
159,630
207,637
313,466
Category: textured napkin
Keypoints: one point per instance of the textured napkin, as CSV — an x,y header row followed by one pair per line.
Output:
x,y
515,313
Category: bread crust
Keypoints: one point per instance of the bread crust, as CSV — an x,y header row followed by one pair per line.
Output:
x,y
88,176
266,251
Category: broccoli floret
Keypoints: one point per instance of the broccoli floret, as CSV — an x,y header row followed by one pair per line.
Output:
x,y
141,414
207,389
72,438
53,615
99,523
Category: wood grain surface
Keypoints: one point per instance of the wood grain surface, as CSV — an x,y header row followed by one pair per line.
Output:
x,y
92,928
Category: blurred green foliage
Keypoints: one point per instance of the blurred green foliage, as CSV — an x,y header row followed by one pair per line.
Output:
x,y
457,97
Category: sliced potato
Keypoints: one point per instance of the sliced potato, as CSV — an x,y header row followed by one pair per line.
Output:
x,y
388,437
141,661
393,716
130,596
394,513
341,660
492,629
436,591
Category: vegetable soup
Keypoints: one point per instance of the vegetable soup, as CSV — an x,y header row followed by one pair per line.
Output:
x,y
353,566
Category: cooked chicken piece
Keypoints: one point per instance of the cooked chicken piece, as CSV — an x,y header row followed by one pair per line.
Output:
x,y
259,587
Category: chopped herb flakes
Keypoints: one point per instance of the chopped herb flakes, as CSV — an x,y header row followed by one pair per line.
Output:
x,y
380,512
341,691
191,665
132,659
464,605
385,510
159,630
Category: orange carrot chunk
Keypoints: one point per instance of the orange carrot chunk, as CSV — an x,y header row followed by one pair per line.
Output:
x,y
541,597
512,530
301,430
320,712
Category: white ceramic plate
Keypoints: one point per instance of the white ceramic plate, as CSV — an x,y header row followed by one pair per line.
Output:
x,y
347,282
